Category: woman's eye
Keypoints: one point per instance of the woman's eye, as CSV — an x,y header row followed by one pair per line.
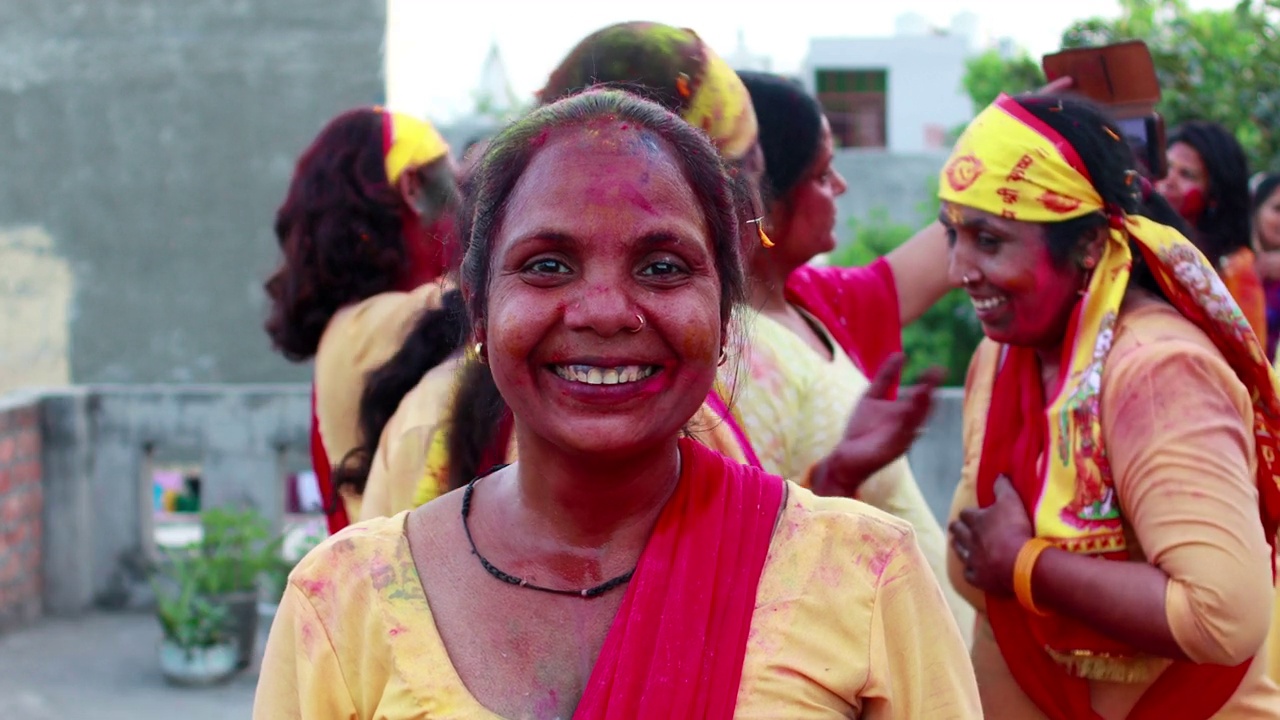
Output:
x,y
546,266
951,236
988,241
662,267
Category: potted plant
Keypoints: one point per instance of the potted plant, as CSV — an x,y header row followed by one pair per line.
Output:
x,y
236,548
197,647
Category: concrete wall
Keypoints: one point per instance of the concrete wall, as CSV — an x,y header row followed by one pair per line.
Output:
x,y
21,507
147,144
99,445
901,184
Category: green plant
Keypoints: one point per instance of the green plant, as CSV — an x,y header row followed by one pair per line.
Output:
x,y
948,333
237,547
188,618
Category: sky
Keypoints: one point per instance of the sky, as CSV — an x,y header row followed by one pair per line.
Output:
x,y
435,49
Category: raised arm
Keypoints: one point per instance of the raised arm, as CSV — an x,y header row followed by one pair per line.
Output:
x,y
920,271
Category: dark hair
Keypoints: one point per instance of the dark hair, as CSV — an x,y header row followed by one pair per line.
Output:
x,y
478,409
790,121
436,336
1112,169
644,58
1267,187
340,230
1224,226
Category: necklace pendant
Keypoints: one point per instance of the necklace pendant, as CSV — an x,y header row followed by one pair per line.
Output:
x,y
523,582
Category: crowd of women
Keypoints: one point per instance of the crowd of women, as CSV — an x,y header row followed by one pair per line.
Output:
x,y
599,441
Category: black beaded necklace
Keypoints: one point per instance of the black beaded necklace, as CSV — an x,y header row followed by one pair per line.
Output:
x,y
587,593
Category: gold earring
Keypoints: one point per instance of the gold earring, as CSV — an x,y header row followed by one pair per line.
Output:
x,y
764,237
480,356
724,357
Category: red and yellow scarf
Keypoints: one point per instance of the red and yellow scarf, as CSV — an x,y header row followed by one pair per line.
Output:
x,y
1008,163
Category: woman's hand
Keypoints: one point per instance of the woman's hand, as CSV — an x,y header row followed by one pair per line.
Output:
x,y
987,540
880,430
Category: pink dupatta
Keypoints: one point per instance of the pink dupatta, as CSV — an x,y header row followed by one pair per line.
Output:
x,y
677,646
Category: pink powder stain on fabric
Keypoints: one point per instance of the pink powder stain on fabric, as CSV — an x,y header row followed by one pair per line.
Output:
x,y
397,630
314,588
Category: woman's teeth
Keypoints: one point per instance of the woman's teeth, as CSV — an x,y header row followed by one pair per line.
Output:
x,y
987,303
592,375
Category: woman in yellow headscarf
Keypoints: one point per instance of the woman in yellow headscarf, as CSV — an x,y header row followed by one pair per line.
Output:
x,y
1119,495
365,229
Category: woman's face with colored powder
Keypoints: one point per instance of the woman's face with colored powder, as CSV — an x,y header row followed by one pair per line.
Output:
x,y
805,220
601,230
1021,296
1268,221
1186,186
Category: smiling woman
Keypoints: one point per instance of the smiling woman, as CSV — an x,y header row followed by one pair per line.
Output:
x,y
600,279
1118,495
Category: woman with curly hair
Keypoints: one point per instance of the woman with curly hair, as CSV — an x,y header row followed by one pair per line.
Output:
x,y
366,226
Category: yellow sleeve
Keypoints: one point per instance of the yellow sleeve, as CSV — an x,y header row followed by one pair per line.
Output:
x,y
1178,432
301,676
919,664
894,490
977,399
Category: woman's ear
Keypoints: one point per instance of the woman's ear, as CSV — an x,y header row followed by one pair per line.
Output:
x,y
411,187
1094,245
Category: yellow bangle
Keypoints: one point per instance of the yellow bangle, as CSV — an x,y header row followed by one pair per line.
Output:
x,y
1022,567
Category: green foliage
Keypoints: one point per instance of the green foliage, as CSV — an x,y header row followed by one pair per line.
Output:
x,y
188,617
1218,65
989,74
948,333
236,548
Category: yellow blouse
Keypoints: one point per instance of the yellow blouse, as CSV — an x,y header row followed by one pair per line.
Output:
x,y
1177,424
396,477
849,622
360,338
793,404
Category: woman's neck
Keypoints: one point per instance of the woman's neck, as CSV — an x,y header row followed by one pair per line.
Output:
x,y
591,503
768,282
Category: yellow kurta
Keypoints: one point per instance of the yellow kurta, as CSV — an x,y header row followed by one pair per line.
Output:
x,y
360,338
793,404
396,477
849,622
1177,425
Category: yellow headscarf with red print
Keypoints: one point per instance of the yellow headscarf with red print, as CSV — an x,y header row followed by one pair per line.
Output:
x,y
408,142
1009,163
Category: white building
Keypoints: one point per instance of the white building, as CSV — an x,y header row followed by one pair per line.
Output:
x,y
903,93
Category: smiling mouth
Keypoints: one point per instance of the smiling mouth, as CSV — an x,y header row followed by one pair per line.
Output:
x,y
592,375
986,304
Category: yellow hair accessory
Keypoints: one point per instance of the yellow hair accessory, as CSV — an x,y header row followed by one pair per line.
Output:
x,y
721,106
408,142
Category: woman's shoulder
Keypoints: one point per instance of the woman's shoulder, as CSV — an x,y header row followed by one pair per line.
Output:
x,y
843,531
377,325
347,563
1149,329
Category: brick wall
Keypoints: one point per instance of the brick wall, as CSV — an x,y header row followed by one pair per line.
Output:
x,y
21,508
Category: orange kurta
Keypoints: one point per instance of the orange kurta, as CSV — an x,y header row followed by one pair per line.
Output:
x,y
1178,428
1240,274
849,622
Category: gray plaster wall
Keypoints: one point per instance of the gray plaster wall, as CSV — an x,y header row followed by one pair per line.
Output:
x,y
898,183
146,145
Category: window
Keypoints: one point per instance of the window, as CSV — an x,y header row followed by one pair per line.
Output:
x,y
855,103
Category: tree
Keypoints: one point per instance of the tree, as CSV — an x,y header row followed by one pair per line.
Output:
x,y
1217,65
989,74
